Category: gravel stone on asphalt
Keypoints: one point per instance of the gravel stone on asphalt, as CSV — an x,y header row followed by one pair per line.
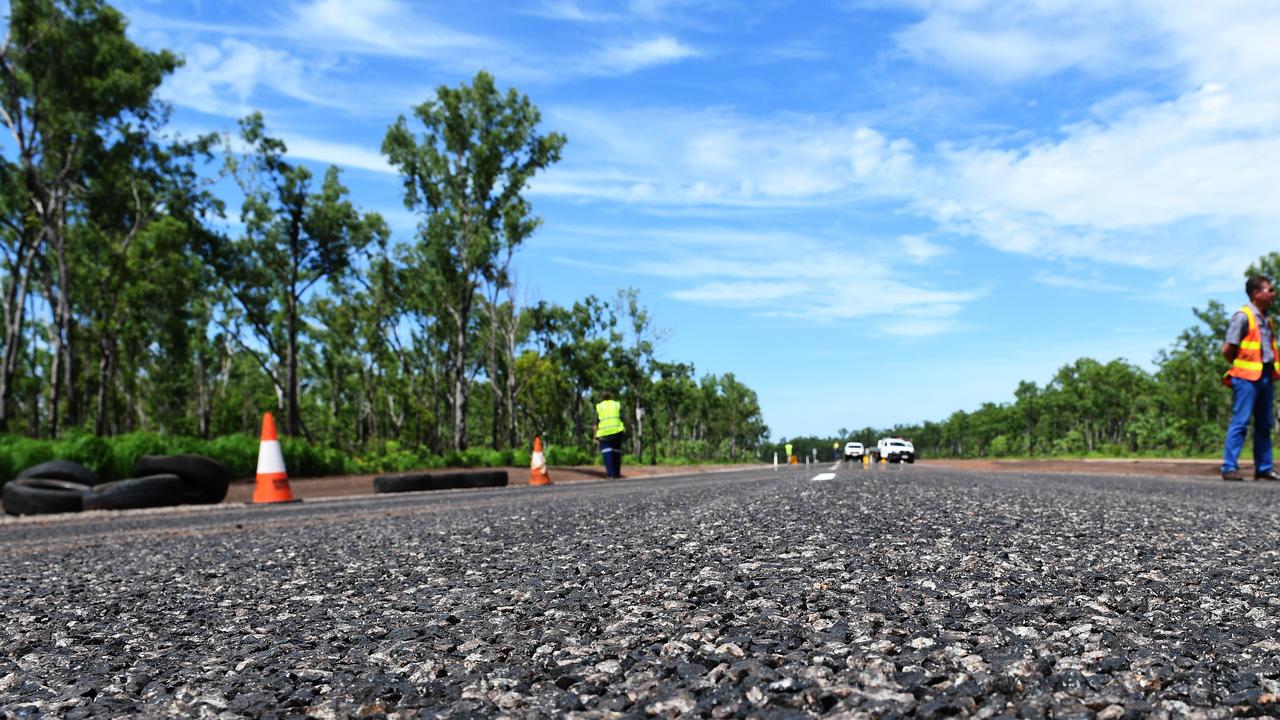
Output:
x,y
884,592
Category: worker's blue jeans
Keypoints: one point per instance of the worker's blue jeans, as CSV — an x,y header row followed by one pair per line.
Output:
x,y
1250,399
611,449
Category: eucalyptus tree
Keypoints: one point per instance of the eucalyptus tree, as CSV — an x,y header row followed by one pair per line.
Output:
x,y
294,237
578,340
143,209
466,174
69,77
674,395
19,243
634,360
741,420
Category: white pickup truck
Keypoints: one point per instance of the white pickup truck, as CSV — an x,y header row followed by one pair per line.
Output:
x,y
896,450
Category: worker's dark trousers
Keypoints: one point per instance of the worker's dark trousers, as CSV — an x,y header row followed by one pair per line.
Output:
x,y
611,450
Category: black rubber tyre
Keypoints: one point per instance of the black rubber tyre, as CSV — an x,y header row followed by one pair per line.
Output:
x,y
139,492
204,480
418,482
411,483
61,470
482,479
43,496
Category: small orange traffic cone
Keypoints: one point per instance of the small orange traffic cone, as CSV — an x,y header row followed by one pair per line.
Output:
x,y
273,481
538,474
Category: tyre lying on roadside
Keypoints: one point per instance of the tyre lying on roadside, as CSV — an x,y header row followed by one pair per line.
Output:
x,y
417,482
61,470
139,492
43,496
204,480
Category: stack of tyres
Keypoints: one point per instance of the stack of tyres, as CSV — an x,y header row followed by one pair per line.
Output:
x,y
56,486
60,486
204,480
136,492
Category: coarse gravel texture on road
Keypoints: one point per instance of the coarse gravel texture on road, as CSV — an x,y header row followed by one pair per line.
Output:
x,y
882,592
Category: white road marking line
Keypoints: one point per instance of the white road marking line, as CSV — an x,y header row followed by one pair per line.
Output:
x,y
823,476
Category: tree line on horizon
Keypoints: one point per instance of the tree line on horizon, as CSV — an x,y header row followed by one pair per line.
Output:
x,y
1089,407
185,285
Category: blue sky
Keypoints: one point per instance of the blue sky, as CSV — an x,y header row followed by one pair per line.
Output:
x,y
871,212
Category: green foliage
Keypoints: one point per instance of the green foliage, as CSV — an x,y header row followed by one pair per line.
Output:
x,y
126,449
19,453
168,335
560,455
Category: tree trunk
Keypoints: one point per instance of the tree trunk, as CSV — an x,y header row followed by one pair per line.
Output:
x,y
639,438
106,372
460,392
204,408
55,379
66,327
510,395
15,305
491,367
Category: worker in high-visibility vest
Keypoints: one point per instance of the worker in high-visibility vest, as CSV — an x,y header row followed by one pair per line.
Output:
x,y
1250,347
610,432
791,459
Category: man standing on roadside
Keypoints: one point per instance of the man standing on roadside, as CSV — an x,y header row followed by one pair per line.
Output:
x,y
1251,348
610,432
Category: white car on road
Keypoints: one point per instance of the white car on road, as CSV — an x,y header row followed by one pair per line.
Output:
x,y
854,451
896,450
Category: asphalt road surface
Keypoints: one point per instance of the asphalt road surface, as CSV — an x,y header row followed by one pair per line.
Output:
x,y
882,592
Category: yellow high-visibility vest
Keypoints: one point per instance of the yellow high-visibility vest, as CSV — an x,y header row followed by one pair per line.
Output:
x,y
1248,362
610,414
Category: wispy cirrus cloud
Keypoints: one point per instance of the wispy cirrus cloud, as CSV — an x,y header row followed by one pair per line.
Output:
x,y
572,11
629,56
223,79
1015,41
710,157
1143,180
791,274
386,27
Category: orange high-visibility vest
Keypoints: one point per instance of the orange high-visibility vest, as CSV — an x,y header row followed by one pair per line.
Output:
x,y
1248,362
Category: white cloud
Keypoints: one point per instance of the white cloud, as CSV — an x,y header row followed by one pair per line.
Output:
x,y
709,157
632,55
572,11
223,79
793,275
921,249
1093,283
1011,41
341,154
386,27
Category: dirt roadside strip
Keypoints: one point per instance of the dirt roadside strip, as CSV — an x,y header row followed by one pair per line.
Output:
x,y
1175,467
344,485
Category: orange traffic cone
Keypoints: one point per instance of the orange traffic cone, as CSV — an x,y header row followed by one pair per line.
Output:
x,y
538,474
273,481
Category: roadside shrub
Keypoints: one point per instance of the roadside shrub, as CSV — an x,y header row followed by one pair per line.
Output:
x,y
557,455
91,451
238,452
126,449
303,459
18,453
